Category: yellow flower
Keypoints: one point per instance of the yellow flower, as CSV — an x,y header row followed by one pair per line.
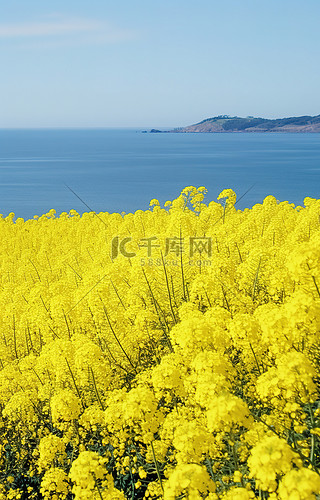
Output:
x,y
192,365
55,484
302,484
238,494
188,478
269,458
65,406
50,447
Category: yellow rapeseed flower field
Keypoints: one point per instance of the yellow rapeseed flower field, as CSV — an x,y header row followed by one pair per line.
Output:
x,y
171,353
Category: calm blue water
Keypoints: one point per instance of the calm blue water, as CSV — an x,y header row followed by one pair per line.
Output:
x,y
121,170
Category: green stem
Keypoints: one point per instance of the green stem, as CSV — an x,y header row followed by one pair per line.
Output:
x,y
168,288
96,390
313,437
157,466
75,384
115,336
182,274
158,308
255,282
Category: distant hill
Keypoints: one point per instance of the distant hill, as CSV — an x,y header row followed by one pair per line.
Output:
x,y
225,123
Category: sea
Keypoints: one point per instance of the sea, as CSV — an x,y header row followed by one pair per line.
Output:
x,y
121,170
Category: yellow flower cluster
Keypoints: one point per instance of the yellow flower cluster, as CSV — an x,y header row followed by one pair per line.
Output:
x,y
169,353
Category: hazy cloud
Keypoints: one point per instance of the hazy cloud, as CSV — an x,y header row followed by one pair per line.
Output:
x,y
71,27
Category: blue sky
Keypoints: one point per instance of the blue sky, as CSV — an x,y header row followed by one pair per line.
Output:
x,y
139,63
